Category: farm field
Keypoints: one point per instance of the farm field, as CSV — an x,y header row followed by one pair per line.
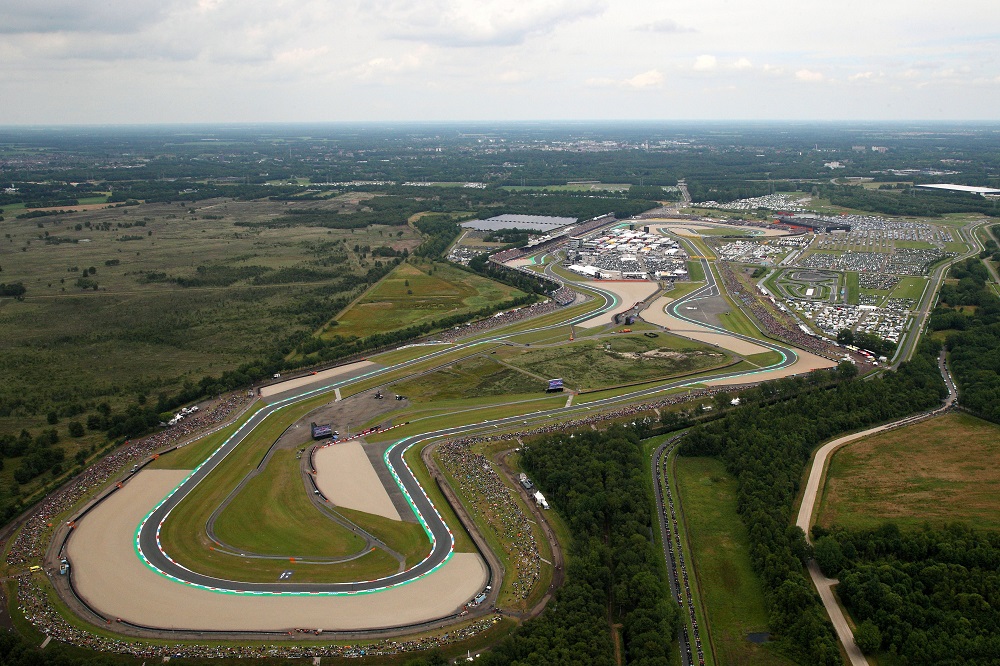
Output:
x,y
418,293
940,470
719,548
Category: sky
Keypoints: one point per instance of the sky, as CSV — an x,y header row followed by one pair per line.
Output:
x,y
195,61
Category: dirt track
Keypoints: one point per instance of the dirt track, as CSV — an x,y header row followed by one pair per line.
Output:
x,y
629,292
346,476
319,378
109,574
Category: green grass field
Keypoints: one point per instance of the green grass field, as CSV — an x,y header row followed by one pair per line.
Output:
x,y
272,515
610,361
853,287
418,293
695,271
406,538
477,376
909,287
719,554
940,470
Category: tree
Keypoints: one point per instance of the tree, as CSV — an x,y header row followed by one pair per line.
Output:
x,y
868,637
75,429
845,336
829,555
846,370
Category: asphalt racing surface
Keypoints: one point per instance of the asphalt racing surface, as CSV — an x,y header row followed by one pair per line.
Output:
x,y
147,536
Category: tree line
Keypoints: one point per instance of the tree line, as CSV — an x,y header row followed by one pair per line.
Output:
x,y
599,483
927,596
969,311
766,447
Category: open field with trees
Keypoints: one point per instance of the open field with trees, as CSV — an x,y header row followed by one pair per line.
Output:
x,y
616,360
933,472
419,293
766,449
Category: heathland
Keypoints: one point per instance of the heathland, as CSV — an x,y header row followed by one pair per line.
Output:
x,y
937,471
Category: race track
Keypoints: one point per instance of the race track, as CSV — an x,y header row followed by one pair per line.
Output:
x,y
183,590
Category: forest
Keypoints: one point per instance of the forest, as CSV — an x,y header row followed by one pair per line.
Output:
x,y
599,483
908,201
921,597
973,337
767,447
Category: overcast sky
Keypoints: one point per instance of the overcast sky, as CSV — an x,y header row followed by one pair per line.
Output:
x,y
165,61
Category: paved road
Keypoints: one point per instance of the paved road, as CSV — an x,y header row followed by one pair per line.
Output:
x,y
147,536
811,496
929,298
673,554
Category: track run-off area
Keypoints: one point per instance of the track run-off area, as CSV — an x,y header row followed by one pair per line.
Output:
x,y
154,590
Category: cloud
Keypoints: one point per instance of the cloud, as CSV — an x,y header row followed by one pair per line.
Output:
x,y
388,65
742,63
705,63
666,26
467,23
645,80
808,76
652,78
45,16
514,76
861,76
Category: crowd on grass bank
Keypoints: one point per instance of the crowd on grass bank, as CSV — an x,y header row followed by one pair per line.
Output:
x,y
496,505
36,608
677,565
32,538
499,320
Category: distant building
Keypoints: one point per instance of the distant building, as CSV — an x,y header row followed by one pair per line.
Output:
x,y
817,223
967,189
